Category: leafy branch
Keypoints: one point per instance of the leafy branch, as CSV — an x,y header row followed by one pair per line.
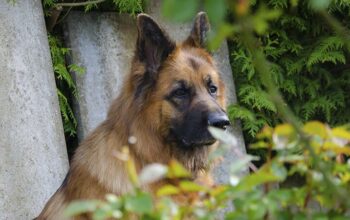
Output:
x,y
78,4
263,68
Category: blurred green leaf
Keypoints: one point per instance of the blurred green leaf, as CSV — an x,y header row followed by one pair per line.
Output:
x,y
176,170
180,10
141,203
316,128
131,169
80,207
216,37
114,201
167,190
318,5
341,132
279,170
284,130
261,18
189,186
258,178
216,10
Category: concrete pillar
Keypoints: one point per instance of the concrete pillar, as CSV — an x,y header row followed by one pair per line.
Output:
x,y
33,157
103,43
179,32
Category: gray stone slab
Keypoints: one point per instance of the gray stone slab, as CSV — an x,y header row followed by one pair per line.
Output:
x,y
103,43
33,157
179,32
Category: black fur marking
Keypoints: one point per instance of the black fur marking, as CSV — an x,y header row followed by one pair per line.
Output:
x,y
203,29
194,63
191,130
145,84
181,103
153,47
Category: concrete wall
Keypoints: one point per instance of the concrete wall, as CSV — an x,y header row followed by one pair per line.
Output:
x,y
103,43
33,158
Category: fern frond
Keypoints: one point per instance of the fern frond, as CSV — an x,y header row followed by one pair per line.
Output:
x,y
335,57
63,75
253,127
129,6
256,98
69,121
278,4
239,112
293,66
247,66
289,87
294,21
330,43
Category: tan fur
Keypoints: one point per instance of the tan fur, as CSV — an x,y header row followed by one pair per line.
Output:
x,y
95,171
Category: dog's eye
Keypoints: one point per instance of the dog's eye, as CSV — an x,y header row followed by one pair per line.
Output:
x,y
180,92
213,89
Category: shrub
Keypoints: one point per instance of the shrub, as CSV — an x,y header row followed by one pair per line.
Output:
x,y
322,193
309,65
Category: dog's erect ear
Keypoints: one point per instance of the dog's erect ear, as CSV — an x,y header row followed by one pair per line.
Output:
x,y
198,35
153,45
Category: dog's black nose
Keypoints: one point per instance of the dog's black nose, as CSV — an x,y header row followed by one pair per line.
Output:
x,y
218,119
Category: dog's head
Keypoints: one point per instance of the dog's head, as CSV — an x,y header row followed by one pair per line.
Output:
x,y
178,84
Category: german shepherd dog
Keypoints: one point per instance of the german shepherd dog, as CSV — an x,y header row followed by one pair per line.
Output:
x,y
171,96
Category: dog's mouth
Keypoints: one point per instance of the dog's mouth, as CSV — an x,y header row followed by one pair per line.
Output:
x,y
191,144
190,140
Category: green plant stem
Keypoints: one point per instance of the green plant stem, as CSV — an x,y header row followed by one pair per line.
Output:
x,y
338,28
76,4
262,67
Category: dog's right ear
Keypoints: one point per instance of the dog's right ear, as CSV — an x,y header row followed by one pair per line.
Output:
x,y
153,45
200,29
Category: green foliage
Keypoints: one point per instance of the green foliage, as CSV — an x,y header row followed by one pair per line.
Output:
x,y
48,3
123,6
64,79
308,63
178,10
254,195
129,6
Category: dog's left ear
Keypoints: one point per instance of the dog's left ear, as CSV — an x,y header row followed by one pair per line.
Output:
x,y
152,48
198,35
153,44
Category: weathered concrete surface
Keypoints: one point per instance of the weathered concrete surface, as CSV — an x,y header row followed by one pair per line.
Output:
x,y
180,32
104,44
33,158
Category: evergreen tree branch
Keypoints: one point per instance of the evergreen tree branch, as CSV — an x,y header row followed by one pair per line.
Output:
x,y
76,4
338,28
